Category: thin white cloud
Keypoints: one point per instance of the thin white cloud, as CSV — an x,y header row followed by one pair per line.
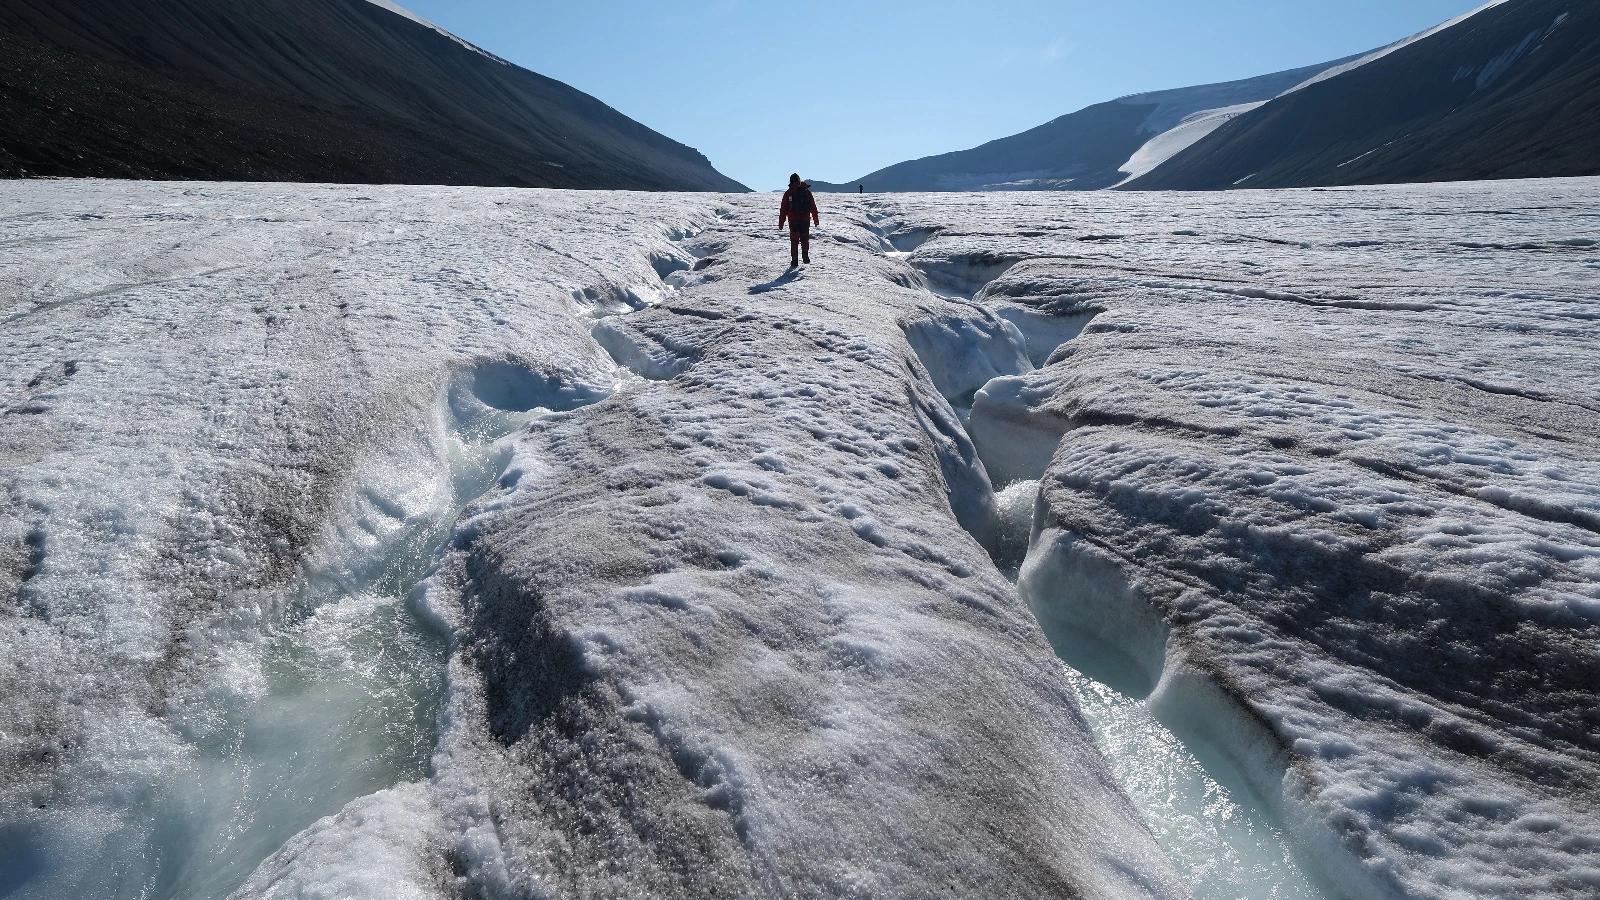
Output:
x,y
1055,51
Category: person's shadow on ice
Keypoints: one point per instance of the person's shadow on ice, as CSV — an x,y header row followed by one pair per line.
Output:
x,y
776,283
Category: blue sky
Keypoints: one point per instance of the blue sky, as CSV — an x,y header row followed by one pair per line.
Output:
x,y
839,89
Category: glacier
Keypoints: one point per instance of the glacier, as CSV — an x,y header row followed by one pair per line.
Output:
x,y
434,542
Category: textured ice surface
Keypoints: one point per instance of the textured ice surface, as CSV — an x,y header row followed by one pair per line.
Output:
x,y
723,631
238,420
1315,492
1328,493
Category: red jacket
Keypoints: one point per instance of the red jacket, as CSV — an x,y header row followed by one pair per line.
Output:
x,y
783,212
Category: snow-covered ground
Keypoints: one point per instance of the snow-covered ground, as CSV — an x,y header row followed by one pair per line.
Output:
x,y
428,542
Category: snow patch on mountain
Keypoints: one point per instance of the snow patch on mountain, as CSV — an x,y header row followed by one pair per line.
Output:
x,y
1181,137
401,11
1184,116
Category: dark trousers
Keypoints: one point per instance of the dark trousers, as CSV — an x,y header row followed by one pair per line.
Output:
x,y
799,236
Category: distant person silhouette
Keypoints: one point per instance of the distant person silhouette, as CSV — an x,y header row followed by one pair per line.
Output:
x,y
799,210
861,189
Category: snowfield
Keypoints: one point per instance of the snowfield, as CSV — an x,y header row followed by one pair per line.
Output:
x,y
438,542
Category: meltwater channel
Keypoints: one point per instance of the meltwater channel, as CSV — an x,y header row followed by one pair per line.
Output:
x,y
354,683
349,682
1226,845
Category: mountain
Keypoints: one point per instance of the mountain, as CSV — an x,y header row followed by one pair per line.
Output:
x,y
1091,148
302,90
1510,91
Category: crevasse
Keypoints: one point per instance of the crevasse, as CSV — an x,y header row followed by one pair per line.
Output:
x,y
1226,843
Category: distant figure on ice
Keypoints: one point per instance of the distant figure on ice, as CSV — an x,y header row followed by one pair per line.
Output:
x,y
861,189
798,207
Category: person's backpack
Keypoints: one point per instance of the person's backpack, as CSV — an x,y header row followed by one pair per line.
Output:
x,y
801,204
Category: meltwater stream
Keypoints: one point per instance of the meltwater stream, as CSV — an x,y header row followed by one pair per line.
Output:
x,y
352,686
1225,845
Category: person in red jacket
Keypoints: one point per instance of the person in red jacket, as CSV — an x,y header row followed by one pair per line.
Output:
x,y
799,210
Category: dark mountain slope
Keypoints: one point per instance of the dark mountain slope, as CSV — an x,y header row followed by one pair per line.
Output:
x,y
301,90
1512,92
1079,151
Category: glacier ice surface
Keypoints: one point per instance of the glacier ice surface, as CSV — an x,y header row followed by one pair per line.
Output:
x,y
658,571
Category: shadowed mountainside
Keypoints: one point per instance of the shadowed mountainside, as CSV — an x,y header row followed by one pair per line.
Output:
x,y
1511,92
302,90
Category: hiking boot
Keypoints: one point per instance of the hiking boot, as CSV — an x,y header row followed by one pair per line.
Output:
x,y
794,263
806,259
